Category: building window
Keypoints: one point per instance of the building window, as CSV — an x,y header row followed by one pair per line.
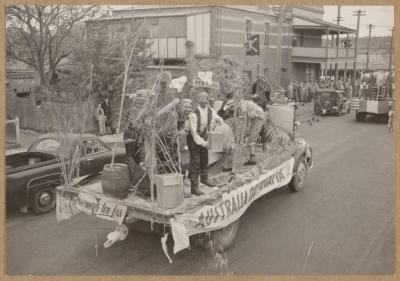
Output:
x,y
167,48
154,28
199,32
248,29
266,35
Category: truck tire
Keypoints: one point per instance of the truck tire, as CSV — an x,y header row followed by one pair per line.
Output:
x,y
360,116
223,239
297,182
43,200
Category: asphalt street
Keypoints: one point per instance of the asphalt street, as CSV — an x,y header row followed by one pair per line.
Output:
x,y
343,222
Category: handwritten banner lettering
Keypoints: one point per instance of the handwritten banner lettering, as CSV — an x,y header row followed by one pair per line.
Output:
x,y
87,203
111,211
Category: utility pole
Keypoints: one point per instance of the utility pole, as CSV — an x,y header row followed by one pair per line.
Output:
x,y
357,13
339,19
391,50
369,39
279,44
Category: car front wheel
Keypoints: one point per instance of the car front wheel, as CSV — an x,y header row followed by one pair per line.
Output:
x,y
44,200
297,182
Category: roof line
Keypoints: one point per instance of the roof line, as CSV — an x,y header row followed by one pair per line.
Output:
x,y
326,23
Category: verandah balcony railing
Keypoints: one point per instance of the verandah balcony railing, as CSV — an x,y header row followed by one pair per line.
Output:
x,y
320,52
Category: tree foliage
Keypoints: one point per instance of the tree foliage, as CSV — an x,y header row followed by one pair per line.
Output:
x,y
103,54
229,73
42,36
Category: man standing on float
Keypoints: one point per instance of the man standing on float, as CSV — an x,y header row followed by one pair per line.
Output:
x,y
198,126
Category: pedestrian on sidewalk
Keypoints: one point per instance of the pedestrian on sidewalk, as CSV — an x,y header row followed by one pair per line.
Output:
x,y
296,91
107,112
290,91
301,92
101,119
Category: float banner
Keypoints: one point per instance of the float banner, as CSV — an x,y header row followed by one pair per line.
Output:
x,y
234,204
69,204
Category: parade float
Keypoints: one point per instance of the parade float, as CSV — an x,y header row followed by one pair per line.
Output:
x,y
157,191
375,95
215,214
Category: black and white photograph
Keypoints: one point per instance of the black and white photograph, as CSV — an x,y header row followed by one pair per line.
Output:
x,y
199,140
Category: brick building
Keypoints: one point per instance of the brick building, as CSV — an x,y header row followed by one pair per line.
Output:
x,y
223,30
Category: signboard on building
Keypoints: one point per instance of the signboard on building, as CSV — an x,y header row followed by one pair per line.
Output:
x,y
253,45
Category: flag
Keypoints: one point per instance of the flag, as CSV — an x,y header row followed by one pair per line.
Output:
x,y
253,45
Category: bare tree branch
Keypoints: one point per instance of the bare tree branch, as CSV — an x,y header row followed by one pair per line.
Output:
x,y
42,35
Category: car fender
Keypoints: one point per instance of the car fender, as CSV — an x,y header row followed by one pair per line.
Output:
x,y
34,184
303,149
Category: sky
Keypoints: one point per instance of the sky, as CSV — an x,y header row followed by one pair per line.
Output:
x,y
381,17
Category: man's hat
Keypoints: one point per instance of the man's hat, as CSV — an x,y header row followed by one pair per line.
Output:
x,y
186,102
143,93
262,79
226,87
203,95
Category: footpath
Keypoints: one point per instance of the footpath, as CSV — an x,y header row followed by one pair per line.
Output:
x,y
304,111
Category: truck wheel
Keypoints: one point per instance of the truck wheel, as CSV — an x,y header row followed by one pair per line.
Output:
x,y
222,239
44,200
297,182
360,116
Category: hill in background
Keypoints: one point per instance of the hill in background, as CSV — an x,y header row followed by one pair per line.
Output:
x,y
377,43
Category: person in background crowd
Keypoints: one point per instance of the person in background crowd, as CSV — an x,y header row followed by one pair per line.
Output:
x,y
101,119
349,92
198,125
308,90
296,91
301,92
313,91
290,91
107,112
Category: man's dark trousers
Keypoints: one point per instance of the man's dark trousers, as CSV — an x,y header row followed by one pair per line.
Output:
x,y
198,161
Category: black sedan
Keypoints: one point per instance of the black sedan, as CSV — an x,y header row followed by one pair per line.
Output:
x,y
31,176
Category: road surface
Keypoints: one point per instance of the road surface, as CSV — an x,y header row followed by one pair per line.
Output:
x,y
341,223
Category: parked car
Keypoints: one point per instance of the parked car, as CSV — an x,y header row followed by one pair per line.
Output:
x,y
31,176
331,101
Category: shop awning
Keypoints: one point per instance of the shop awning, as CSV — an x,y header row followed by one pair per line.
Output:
x,y
300,22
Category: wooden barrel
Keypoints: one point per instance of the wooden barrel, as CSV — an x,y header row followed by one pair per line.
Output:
x,y
115,180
